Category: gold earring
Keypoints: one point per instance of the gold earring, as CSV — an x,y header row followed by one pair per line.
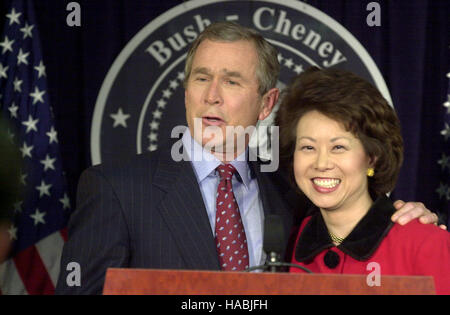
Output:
x,y
370,172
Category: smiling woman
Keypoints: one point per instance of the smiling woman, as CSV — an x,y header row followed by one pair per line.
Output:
x,y
330,166
343,144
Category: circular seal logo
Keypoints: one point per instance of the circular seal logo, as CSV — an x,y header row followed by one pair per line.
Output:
x,y
142,96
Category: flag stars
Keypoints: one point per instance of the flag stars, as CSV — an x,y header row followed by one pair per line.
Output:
x,y
44,189
26,30
13,110
40,69
52,135
444,162
22,57
10,135
120,118
24,176
48,163
446,132
38,217
18,206
17,85
447,104
443,191
37,95
30,124
65,201
12,232
14,17
3,71
7,44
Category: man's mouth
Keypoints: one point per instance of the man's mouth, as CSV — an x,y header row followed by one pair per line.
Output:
x,y
212,120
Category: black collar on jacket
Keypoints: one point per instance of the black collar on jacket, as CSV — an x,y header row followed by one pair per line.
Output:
x,y
362,241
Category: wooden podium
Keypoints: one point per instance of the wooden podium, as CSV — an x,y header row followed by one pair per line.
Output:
x,y
179,282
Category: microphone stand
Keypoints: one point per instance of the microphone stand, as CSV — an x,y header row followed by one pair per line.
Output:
x,y
273,262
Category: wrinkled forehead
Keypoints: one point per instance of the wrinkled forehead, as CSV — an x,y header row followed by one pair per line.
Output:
x,y
237,59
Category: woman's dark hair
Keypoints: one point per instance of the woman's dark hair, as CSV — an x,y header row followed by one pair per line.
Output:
x,y
358,106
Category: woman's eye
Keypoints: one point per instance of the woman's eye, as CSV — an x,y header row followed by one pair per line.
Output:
x,y
339,147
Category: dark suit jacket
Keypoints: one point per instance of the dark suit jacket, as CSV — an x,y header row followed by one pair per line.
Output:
x,y
148,212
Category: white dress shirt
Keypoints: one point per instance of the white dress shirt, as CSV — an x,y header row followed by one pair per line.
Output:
x,y
245,188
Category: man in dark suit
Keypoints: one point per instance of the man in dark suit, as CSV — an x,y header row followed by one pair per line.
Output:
x,y
154,211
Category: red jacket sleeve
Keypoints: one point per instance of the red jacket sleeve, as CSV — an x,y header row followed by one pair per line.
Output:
x,y
433,256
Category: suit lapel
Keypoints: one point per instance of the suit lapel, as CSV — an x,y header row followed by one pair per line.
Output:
x,y
183,209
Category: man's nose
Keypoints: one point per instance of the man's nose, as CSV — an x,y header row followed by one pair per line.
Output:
x,y
213,93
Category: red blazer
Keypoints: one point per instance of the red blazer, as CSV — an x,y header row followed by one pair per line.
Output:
x,y
412,249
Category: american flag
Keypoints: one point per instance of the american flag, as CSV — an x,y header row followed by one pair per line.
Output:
x,y
38,230
444,162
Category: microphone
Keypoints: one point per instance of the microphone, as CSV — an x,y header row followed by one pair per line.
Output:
x,y
274,244
274,240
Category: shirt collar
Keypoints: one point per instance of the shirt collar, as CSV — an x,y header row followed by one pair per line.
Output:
x,y
204,163
362,241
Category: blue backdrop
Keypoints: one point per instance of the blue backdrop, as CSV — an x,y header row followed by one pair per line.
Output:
x,y
411,49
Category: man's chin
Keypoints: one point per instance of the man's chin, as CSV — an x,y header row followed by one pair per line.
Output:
x,y
214,146
221,150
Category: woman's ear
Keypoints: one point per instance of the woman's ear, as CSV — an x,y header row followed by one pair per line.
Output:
x,y
373,161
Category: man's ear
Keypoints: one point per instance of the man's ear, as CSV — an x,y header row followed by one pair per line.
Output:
x,y
269,100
